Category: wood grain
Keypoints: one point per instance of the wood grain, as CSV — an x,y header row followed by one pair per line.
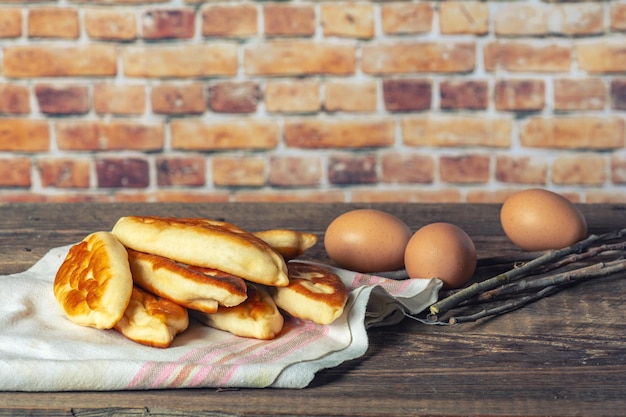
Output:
x,y
564,355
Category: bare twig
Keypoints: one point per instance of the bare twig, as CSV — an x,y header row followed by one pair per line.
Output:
x,y
615,249
588,272
507,307
546,261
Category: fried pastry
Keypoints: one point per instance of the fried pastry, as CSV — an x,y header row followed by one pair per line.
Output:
x,y
207,243
193,287
152,321
289,243
314,293
93,285
257,317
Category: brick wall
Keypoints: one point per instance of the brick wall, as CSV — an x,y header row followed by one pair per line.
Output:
x,y
445,101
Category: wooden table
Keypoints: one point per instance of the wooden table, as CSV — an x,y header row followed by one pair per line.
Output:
x,y
564,355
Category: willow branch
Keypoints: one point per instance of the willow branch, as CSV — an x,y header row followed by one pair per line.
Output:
x,y
614,249
589,272
473,290
507,307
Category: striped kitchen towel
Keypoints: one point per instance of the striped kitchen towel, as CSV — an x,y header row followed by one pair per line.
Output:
x,y
41,350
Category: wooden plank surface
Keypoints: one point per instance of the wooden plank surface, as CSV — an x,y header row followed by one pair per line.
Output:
x,y
564,355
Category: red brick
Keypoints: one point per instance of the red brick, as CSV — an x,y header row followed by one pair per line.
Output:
x,y
405,195
577,19
15,172
606,195
14,99
407,94
464,169
406,18
521,169
573,133
455,131
193,134
468,95
295,171
521,19
301,196
298,57
520,95
344,169
53,23
579,170
314,133
10,23
190,196
79,196
62,99
350,20
289,20
618,168
407,168
24,135
618,94
292,96
119,99
122,173
237,21
60,61
64,172
234,97
181,170
131,2
523,56
579,94
124,134
22,197
203,60
489,196
238,171
110,24
178,99
464,17
78,135
130,196
618,16
417,56
351,96
168,24
115,135
602,56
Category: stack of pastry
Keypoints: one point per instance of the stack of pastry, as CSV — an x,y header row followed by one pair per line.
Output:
x,y
149,274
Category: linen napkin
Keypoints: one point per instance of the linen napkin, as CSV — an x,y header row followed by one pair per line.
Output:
x,y
41,350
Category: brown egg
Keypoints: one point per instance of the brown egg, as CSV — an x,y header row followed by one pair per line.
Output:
x,y
536,219
367,240
441,250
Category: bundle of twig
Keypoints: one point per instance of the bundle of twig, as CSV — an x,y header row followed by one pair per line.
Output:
x,y
549,272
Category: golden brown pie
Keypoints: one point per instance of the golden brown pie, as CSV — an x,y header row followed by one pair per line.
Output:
x,y
257,317
207,243
289,243
93,285
152,321
193,287
314,293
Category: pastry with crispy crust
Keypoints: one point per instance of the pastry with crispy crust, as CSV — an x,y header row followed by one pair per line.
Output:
x,y
192,287
152,321
287,242
257,317
314,293
93,285
207,243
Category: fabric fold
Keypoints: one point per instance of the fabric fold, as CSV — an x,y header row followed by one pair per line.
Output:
x,y
41,350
